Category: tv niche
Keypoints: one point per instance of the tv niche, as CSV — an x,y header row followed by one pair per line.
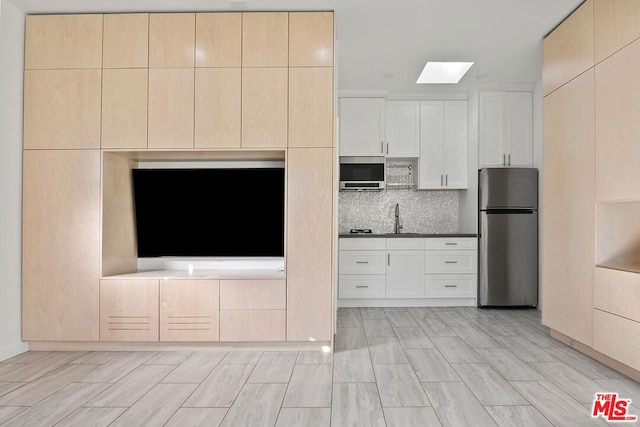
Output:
x,y
210,212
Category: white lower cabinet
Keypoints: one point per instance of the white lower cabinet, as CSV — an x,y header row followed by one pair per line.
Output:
x,y
450,285
405,274
362,286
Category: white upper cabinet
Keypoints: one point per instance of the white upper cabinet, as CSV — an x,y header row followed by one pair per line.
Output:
x,y
362,127
443,145
506,129
402,129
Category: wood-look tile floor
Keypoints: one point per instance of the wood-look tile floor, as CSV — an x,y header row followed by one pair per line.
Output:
x,y
396,367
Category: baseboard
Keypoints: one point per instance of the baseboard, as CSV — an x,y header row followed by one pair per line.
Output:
x,y
594,354
407,302
187,346
11,350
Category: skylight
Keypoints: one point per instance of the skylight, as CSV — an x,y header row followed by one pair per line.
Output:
x,y
443,72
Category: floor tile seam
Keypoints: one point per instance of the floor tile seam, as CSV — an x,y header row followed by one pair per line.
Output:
x,y
375,378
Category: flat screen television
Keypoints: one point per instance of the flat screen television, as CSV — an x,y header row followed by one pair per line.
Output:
x,y
209,212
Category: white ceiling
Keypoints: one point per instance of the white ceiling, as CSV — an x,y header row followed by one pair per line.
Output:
x,y
377,37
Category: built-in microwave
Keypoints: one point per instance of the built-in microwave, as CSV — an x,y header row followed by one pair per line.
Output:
x,y
361,173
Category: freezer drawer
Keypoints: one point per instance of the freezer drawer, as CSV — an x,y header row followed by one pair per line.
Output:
x,y
450,262
508,259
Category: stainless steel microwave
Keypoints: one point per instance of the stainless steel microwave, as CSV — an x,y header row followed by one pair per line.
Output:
x,y
362,173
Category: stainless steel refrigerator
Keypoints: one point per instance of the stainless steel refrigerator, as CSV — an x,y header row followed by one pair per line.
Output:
x,y
508,237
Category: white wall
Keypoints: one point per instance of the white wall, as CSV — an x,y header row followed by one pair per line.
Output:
x,y
11,65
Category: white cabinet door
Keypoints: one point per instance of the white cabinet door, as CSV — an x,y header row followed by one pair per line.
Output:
x,y
492,144
430,168
519,130
402,128
405,274
455,144
362,127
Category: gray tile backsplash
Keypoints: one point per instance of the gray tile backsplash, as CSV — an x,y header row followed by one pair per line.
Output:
x,y
420,211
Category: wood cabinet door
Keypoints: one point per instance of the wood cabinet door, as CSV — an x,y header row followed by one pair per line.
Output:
x,y
126,40
264,107
129,310
189,310
62,109
492,151
362,127
402,128
455,145
172,40
311,107
430,165
219,40
310,189
265,39
616,24
218,115
310,39
405,274
519,131
60,245
124,108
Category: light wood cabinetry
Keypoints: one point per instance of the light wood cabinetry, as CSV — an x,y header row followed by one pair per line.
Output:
x,y
617,292
189,310
310,189
126,41
311,107
253,325
617,337
171,108
60,245
568,197
63,42
310,39
172,40
219,40
265,39
362,126
616,24
253,294
402,128
264,107
129,310
62,109
124,108
617,126
218,111
569,50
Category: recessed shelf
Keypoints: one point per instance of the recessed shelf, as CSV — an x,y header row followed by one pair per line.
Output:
x,y
619,235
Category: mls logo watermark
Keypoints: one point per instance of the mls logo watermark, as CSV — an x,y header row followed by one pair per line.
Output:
x,y
612,409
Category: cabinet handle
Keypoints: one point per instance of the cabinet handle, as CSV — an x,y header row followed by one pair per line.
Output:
x,y
441,181
387,148
509,160
362,286
362,262
504,163
446,180
451,244
382,147
450,286
388,259
451,262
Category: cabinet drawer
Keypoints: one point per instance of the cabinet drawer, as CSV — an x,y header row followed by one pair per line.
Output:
x,y
362,244
617,292
406,243
129,310
365,286
362,262
450,286
439,262
253,294
617,337
442,243
253,325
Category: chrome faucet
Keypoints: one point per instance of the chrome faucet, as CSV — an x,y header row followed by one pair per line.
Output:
x,y
397,226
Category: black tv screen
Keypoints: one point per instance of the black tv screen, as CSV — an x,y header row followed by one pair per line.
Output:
x,y
209,212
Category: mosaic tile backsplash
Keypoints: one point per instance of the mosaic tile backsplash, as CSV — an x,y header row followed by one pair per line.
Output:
x,y
420,211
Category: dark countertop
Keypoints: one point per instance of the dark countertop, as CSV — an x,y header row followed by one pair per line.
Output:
x,y
407,235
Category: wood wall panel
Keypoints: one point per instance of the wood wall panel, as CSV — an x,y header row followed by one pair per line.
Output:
x,y
253,294
616,24
311,107
569,49
172,40
617,126
189,310
171,108
126,41
129,310
63,42
264,107
310,39
119,251
60,245
218,40
124,108
218,115
265,39
252,325
62,109
310,191
568,219
617,337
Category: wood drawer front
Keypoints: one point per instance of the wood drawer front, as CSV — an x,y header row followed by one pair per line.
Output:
x,y
362,286
406,243
129,310
452,243
450,286
253,294
362,244
443,262
362,262
617,292
253,325
189,310
617,337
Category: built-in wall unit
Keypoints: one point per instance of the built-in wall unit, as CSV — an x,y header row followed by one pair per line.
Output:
x,y
590,274
179,184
